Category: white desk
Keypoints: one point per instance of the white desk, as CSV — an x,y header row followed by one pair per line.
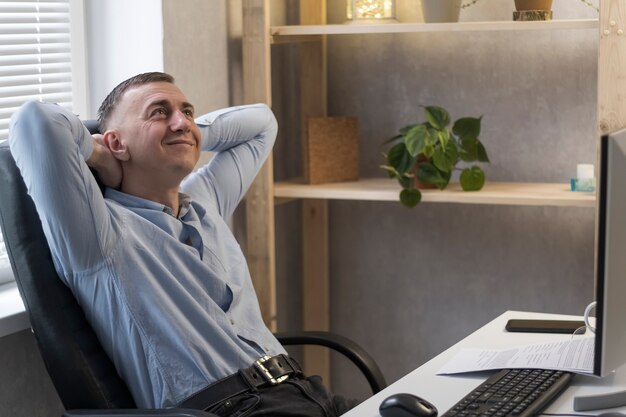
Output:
x,y
445,391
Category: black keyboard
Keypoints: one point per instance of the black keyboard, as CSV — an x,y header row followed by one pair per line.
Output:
x,y
512,392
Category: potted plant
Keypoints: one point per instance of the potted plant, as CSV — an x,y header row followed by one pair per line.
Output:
x,y
425,154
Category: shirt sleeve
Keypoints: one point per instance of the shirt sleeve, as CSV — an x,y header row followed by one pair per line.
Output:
x,y
50,146
242,138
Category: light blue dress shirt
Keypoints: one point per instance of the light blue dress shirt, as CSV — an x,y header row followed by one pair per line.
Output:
x,y
173,317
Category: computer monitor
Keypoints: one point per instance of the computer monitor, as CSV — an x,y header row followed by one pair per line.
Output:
x,y
610,340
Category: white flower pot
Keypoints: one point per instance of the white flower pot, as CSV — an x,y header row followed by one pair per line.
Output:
x,y
441,10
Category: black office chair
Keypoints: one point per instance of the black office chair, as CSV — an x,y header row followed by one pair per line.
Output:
x,y
83,375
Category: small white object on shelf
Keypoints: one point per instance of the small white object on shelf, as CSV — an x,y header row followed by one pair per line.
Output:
x,y
584,171
585,178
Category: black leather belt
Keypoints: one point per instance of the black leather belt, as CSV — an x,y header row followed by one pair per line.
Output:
x,y
266,371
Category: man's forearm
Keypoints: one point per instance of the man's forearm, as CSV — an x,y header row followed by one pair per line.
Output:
x,y
225,128
50,146
243,138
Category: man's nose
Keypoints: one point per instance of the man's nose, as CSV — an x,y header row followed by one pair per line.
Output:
x,y
179,121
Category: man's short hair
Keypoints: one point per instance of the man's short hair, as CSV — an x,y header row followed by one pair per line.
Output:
x,y
112,100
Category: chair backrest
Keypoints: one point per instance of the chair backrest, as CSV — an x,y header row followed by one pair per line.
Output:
x,y
81,372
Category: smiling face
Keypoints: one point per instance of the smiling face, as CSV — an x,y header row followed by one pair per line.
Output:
x,y
157,138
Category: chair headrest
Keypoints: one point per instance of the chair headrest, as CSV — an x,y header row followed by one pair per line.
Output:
x,y
92,126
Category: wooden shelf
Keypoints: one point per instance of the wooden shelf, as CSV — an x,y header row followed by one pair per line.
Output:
x,y
499,193
258,36
364,28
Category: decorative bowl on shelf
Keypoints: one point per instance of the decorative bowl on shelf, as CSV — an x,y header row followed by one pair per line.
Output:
x,y
521,5
532,10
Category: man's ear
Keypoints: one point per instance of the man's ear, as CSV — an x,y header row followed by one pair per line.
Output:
x,y
118,148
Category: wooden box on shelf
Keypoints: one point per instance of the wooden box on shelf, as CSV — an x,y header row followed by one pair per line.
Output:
x,y
331,150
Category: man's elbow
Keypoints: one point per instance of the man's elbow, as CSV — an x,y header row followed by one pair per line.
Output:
x,y
30,116
29,111
34,121
272,125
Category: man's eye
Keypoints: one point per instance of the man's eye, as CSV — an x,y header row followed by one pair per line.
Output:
x,y
159,112
188,113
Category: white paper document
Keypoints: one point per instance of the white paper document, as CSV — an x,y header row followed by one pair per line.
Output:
x,y
575,355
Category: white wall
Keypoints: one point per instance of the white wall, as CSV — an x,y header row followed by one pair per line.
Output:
x,y
186,39
124,38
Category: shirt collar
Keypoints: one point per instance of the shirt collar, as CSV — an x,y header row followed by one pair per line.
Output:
x,y
134,202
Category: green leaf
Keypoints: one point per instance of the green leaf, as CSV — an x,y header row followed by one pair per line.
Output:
x,y
391,171
405,129
437,117
400,159
468,150
416,139
396,138
472,179
406,181
410,198
429,150
429,174
482,153
444,137
467,128
445,158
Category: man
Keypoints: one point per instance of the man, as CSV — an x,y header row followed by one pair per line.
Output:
x,y
153,263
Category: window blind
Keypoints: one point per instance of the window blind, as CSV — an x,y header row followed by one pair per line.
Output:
x,y
35,55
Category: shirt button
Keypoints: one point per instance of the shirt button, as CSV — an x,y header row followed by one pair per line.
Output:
x,y
232,322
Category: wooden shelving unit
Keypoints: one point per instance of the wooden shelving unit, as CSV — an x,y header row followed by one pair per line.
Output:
x,y
311,35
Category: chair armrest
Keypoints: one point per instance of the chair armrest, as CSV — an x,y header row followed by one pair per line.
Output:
x,y
136,412
343,345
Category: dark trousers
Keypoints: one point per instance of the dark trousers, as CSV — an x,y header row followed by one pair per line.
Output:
x,y
299,396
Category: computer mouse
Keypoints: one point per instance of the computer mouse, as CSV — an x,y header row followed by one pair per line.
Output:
x,y
612,414
406,405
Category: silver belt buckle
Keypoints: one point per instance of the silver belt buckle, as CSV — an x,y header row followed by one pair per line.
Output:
x,y
260,365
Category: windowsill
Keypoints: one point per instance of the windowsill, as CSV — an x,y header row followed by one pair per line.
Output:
x,y
13,317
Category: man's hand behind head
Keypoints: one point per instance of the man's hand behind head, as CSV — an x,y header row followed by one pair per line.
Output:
x,y
104,163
